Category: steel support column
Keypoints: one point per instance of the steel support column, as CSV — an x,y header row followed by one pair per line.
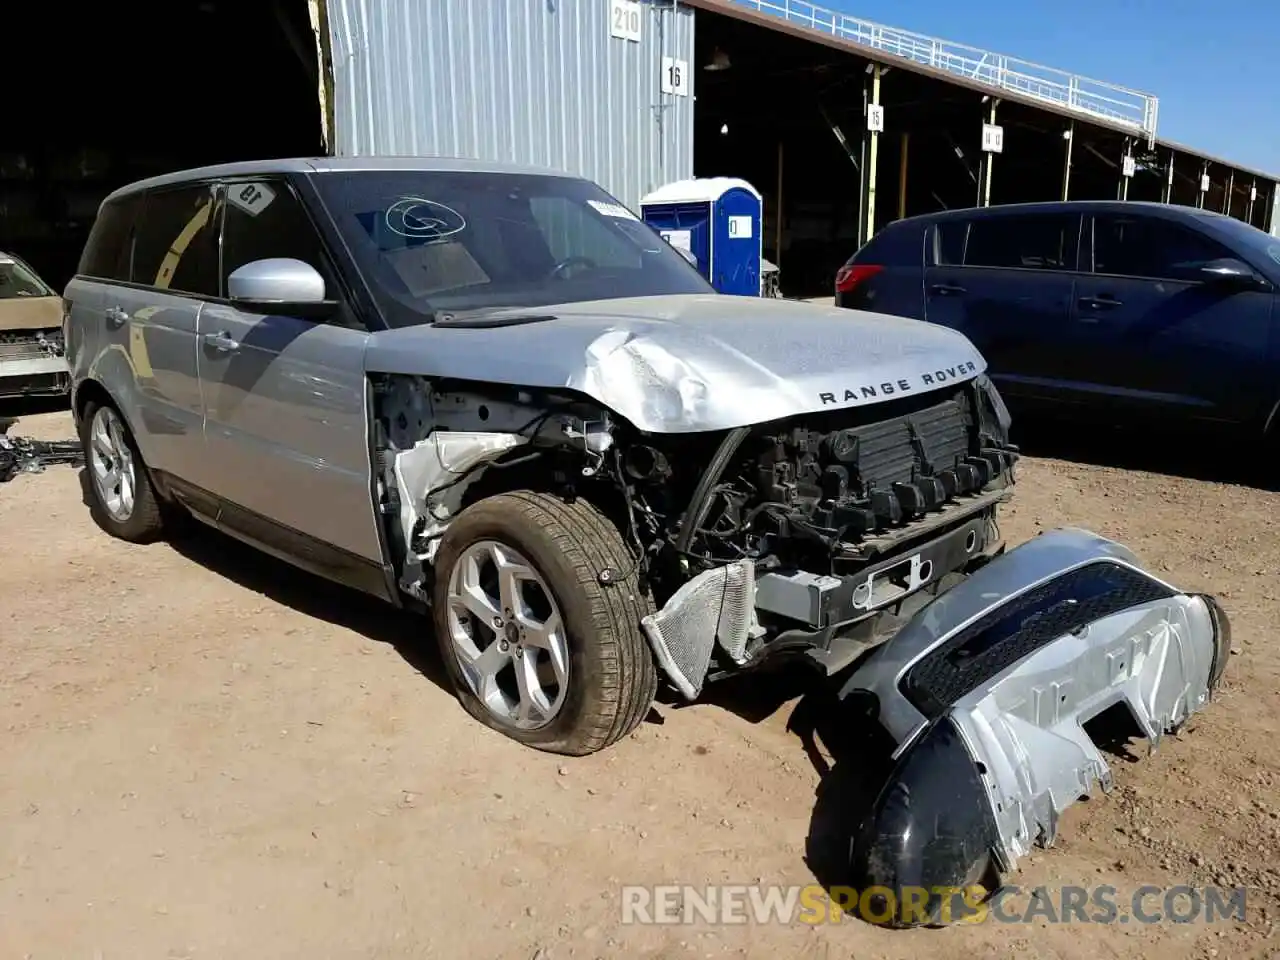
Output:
x,y
1124,160
873,148
902,174
1068,135
988,159
1168,180
1202,187
1253,195
777,215
1231,186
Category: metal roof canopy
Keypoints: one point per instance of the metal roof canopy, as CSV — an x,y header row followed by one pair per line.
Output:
x,y
868,41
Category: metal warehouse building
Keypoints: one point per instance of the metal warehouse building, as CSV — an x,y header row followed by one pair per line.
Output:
x,y
841,124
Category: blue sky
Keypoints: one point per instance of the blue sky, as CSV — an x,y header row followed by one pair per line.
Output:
x,y
1215,67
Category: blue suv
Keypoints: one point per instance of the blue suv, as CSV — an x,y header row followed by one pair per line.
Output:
x,y
1122,309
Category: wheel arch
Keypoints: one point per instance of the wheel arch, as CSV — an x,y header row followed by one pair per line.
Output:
x,y
91,390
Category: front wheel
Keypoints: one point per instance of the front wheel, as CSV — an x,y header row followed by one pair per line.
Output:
x,y
536,645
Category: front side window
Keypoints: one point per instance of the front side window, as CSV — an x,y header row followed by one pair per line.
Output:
x,y
1027,242
432,242
176,241
19,280
264,220
1147,247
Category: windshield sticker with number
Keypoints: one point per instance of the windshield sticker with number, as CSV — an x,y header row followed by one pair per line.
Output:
x,y
612,210
252,198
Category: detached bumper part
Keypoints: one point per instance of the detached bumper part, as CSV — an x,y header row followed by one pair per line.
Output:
x,y
986,692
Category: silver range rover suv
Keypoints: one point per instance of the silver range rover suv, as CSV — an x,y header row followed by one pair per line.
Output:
x,y
494,394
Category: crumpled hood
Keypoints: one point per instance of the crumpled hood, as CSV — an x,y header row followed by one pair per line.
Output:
x,y
684,364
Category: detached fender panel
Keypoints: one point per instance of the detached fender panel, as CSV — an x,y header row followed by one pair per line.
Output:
x,y
987,690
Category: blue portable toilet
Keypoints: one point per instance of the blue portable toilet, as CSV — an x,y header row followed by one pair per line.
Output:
x,y
718,221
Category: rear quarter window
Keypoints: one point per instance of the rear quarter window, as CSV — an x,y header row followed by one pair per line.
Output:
x,y
897,245
108,251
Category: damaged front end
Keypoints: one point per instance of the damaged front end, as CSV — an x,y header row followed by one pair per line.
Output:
x,y
987,692
810,536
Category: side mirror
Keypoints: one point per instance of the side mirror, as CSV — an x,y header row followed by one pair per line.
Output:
x,y
1229,272
279,285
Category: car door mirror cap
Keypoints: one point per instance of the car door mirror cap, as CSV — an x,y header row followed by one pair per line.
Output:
x,y
279,285
1228,271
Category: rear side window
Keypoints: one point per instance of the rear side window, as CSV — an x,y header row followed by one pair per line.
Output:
x,y
1033,242
949,242
107,252
1147,247
176,241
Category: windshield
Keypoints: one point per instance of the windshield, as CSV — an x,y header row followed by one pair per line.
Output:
x,y
19,280
431,243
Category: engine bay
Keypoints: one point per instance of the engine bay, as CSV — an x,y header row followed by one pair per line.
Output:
x,y
827,495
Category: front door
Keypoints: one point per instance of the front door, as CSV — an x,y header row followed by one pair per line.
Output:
x,y
1006,282
1162,341
286,416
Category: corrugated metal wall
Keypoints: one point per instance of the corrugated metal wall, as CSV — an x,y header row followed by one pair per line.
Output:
x,y
529,81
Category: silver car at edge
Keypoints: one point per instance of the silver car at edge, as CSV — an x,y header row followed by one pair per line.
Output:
x,y
31,360
493,394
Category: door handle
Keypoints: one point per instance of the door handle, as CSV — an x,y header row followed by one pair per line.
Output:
x,y
1103,302
115,317
946,289
221,342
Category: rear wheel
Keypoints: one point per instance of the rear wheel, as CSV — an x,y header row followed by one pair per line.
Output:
x,y
536,646
121,498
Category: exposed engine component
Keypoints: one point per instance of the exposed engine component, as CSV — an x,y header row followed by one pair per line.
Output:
x,y
814,524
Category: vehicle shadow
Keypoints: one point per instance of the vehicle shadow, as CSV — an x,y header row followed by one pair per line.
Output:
x,y
1199,455
409,633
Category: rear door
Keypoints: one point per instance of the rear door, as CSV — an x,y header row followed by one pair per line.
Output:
x,y
105,261
1006,281
1160,340
286,422
151,324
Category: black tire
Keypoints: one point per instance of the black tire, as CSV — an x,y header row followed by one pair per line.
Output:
x,y
145,524
612,678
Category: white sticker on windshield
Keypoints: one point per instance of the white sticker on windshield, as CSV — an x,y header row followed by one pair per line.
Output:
x,y
252,198
612,210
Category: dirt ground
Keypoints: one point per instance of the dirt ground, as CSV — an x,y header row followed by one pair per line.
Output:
x,y
209,755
